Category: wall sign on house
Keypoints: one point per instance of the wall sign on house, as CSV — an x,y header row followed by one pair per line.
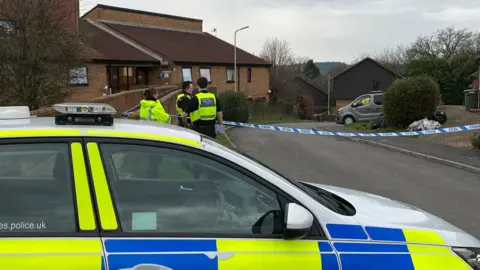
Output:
x,y
78,76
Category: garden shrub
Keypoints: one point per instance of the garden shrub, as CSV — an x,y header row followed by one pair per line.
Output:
x,y
410,99
234,106
475,140
305,107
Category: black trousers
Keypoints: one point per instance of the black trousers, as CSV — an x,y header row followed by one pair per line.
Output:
x,y
206,130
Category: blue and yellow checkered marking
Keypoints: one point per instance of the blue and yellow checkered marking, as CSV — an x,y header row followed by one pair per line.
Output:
x,y
383,234
405,249
368,255
209,254
51,253
346,231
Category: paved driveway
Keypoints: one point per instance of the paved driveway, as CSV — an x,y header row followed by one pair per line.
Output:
x,y
447,192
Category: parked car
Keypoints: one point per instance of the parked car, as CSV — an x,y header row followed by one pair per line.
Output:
x,y
363,109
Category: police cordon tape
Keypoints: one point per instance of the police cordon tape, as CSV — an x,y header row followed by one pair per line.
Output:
x,y
315,131
346,134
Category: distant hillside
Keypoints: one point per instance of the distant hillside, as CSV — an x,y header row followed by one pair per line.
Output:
x,y
326,66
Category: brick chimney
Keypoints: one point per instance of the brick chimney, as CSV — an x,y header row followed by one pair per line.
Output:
x,y
72,9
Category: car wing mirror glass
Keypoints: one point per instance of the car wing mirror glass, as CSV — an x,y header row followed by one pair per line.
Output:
x,y
269,224
298,222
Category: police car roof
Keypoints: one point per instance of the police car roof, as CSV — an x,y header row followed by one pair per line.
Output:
x,y
120,126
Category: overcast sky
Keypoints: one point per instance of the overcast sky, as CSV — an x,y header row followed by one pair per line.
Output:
x,y
324,30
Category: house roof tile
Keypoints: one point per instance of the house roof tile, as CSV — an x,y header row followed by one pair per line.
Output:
x,y
184,46
105,46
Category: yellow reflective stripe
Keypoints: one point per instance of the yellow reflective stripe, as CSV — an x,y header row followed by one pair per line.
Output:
x,y
273,254
82,190
40,132
234,245
423,237
435,257
140,135
429,249
50,253
108,218
52,262
49,245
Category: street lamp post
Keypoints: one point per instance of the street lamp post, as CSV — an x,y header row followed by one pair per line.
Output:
x,y
235,55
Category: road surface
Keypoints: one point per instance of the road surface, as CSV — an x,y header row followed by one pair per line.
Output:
x,y
447,192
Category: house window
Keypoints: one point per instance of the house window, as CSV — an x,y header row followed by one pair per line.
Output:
x,y
205,72
78,76
249,74
376,85
187,74
230,72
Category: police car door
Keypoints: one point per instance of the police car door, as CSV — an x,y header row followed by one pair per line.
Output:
x,y
179,208
46,215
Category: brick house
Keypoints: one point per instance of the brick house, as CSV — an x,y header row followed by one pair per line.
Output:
x,y
133,49
365,76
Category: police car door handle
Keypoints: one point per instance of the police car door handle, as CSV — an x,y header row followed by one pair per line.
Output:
x,y
185,189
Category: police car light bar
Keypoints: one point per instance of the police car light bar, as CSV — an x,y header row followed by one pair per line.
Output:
x,y
84,114
14,112
85,108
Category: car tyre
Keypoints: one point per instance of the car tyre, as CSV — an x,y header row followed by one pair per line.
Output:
x,y
348,120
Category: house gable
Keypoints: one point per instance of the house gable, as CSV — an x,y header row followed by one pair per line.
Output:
x,y
361,78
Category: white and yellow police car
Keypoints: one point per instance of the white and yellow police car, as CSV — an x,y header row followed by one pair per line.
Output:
x,y
83,190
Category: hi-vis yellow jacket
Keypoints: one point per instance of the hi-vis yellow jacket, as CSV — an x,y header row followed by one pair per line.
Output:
x,y
151,110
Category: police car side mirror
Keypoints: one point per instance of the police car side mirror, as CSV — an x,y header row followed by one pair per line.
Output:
x,y
298,222
271,223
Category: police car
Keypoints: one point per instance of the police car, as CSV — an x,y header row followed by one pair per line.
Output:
x,y
83,190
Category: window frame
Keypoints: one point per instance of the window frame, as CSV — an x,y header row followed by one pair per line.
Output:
x,y
316,232
381,102
209,73
191,73
249,75
78,84
68,142
233,74
360,98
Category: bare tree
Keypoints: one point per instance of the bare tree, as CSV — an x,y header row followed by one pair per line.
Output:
x,y
277,52
38,50
298,64
392,58
444,43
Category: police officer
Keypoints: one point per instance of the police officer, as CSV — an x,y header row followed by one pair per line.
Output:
x,y
204,110
183,100
152,110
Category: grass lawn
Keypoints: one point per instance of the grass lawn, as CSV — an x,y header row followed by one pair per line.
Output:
x,y
223,140
365,127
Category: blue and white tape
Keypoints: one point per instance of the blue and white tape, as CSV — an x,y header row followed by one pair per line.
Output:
x,y
347,134
344,134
